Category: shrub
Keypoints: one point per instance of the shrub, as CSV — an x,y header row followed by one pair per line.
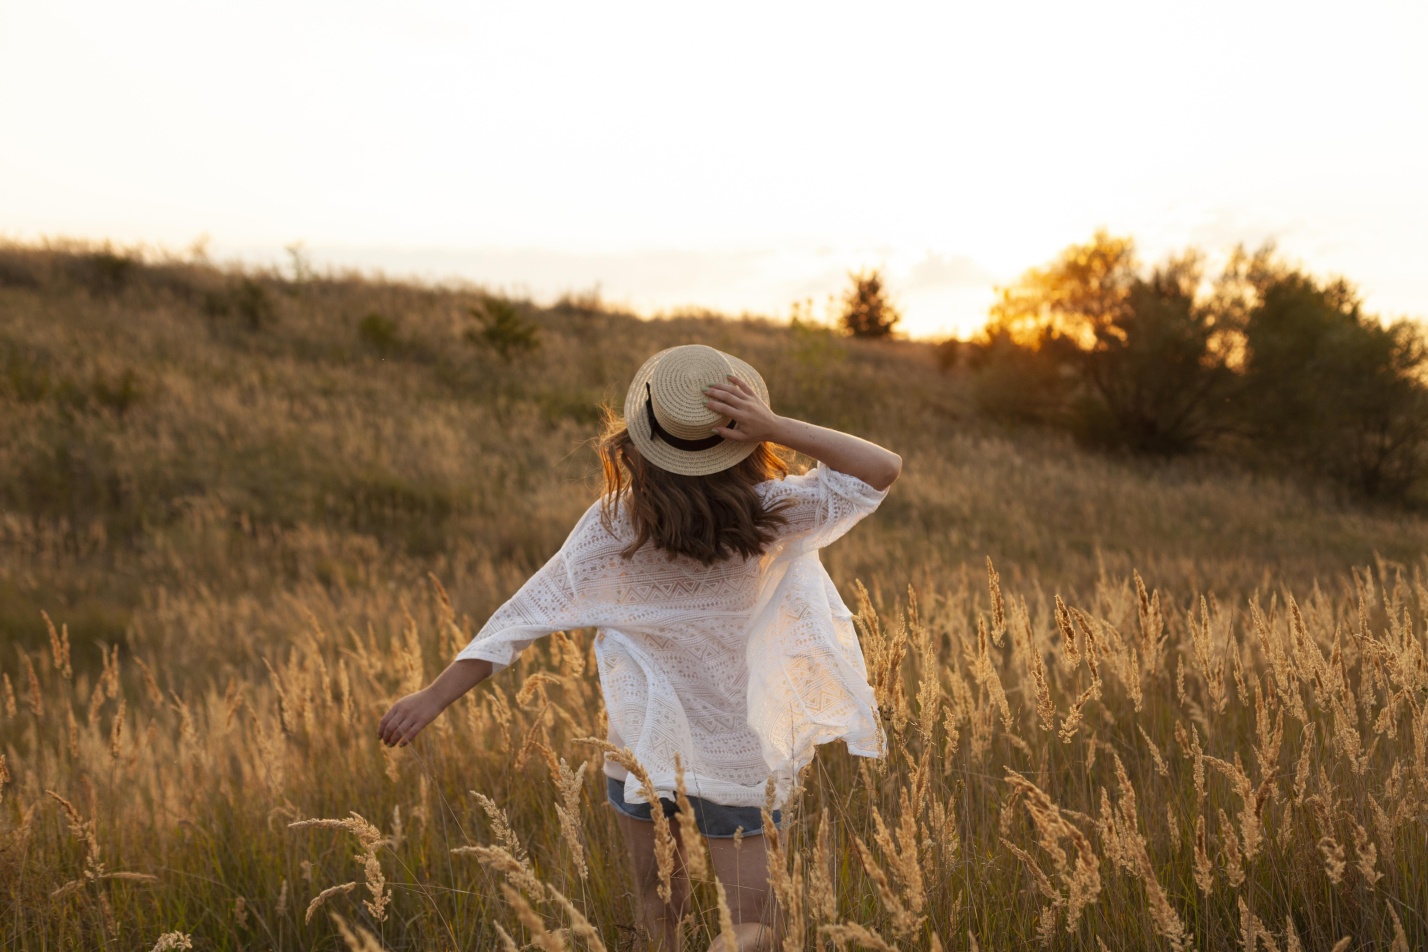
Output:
x,y
105,272
26,378
247,299
586,303
119,393
379,332
1020,382
501,328
18,269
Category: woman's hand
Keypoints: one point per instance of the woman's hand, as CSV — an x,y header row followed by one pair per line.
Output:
x,y
736,399
874,465
405,719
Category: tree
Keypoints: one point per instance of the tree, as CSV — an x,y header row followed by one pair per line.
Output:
x,y
1160,367
1077,295
1281,365
1329,388
1145,356
867,312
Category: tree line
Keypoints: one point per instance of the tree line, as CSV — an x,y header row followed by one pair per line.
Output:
x,y
1259,360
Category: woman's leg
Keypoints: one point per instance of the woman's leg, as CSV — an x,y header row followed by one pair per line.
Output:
x,y
659,919
744,874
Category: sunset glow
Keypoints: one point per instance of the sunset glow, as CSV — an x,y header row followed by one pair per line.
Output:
x,y
740,161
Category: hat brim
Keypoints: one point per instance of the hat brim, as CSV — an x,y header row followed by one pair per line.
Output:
x,y
717,458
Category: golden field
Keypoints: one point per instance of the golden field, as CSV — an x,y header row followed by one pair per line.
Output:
x,y
1186,706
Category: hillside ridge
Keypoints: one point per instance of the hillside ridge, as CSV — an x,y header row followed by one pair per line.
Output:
x,y
170,424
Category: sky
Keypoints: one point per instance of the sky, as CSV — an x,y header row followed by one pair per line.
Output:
x,y
732,156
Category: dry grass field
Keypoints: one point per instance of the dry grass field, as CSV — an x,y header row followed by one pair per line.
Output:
x,y
1129,705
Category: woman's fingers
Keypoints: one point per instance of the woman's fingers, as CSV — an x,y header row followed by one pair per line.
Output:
x,y
718,405
404,720
410,730
396,734
737,436
740,405
741,384
738,401
393,724
734,392
728,398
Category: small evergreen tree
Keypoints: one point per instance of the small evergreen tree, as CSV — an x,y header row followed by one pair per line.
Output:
x,y
867,312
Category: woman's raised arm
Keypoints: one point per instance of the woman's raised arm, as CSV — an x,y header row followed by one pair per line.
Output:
x,y
871,463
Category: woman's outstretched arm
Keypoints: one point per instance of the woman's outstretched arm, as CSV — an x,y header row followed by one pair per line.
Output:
x,y
405,719
871,463
547,602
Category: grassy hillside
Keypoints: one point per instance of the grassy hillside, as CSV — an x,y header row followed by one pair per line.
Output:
x,y
281,502
174,425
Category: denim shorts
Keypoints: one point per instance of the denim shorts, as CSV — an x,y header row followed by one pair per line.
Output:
x,y
712,819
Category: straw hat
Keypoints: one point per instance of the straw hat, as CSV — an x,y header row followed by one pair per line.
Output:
x,y
666,416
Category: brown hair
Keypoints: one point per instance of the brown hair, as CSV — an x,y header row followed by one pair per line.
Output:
x,y
707,518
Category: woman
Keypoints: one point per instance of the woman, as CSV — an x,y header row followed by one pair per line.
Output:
x,y
721,638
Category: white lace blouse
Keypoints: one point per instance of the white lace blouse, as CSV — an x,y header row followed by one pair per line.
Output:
x,y
741,667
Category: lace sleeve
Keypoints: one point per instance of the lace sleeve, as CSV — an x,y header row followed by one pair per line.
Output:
x,y
821,505
547,602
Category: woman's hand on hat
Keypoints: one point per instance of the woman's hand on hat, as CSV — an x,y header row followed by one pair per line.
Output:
x,y
736,399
